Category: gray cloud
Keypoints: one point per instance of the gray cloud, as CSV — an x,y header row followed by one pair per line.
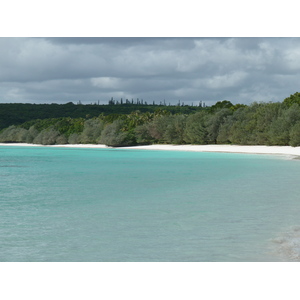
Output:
x,y
242,70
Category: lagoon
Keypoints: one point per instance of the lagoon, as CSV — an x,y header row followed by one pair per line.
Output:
x,y
98,205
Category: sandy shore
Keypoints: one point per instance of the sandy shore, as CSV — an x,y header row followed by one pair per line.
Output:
x,y
275,150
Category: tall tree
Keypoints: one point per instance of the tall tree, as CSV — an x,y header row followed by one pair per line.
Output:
x,y
195,130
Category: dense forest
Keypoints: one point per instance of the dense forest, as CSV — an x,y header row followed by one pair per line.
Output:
x,y
126,124
18,113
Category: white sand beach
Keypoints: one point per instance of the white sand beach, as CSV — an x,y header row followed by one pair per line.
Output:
x,y
275,150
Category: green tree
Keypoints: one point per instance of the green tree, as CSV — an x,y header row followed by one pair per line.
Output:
x,y
115,136
295,135
74,138
158,127
91,131
49,136
214,122
292,99
224,131
142,134
220,105
195,130
265,114
13,134
243,124
31,134
174,133
279,133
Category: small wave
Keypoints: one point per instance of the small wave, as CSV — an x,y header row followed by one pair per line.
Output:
x,y
287,244
11,166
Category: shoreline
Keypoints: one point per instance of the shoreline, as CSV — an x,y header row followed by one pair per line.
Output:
x,y
291,152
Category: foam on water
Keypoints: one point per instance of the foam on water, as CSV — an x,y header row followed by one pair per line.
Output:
x,y
287,244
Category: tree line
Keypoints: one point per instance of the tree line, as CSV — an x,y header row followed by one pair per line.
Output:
x,y
223,123
138,101
18,113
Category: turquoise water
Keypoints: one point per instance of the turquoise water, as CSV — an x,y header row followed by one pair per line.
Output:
x,y
74,204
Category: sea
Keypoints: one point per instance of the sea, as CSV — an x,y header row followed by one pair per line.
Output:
x,y
60,204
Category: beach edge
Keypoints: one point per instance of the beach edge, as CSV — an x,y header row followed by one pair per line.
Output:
x,y
291,152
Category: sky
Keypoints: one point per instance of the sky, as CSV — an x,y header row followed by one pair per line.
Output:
x,y
171,69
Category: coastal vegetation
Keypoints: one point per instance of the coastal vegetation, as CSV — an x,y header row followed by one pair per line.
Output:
x,y
125,123
18,113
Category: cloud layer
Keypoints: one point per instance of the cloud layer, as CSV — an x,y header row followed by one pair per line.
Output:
x,y
241,70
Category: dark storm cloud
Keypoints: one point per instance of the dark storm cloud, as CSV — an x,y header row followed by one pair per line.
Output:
x,y
241,70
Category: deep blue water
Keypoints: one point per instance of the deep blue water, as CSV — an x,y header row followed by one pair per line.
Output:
x,y
75,204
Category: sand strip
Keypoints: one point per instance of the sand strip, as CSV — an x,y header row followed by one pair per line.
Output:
x,y
277,150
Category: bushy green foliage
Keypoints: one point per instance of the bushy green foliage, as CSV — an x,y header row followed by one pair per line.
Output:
x,y
292,99
50,136
153,128
221,104
295,135
74,138
19,113
174,133
158,127
91,131
279,133
255,124
114,135
264,114
13,134
195,129
142,134
32,132
214,122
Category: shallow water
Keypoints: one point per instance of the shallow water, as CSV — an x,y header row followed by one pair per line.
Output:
x,y
74,204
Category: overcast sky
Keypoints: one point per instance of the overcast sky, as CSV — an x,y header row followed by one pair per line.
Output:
x,y
60,70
